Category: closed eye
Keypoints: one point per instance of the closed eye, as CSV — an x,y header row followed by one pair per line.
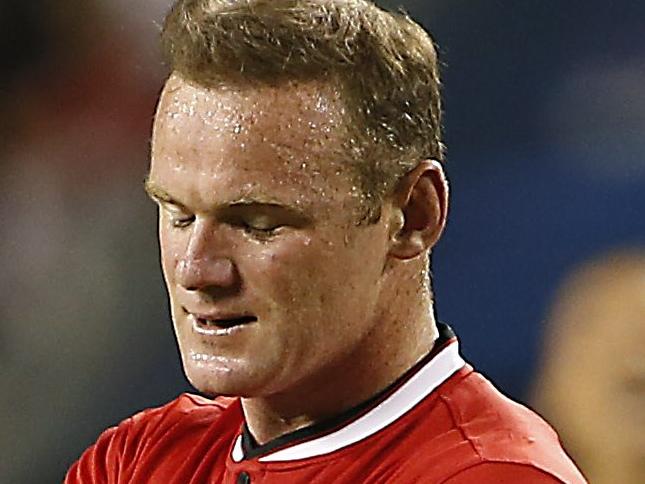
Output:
x,y
182,222
260,228
178,218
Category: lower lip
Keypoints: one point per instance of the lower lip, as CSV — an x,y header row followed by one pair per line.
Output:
x,y
214,331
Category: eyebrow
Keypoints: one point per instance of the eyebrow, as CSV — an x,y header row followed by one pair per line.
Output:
x,y
159,194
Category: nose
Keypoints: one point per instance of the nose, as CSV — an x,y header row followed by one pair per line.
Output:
x,y
204,264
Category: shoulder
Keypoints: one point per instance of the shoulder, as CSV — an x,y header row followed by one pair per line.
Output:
x,y
486,473
132,439
488,438
505,472
490,420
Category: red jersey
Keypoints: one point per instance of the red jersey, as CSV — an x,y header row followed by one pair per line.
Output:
x,y
441,422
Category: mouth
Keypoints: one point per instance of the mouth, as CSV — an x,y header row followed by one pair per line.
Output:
x,y
218,324
223,323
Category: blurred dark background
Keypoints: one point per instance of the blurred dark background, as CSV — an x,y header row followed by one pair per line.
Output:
x,y
545,127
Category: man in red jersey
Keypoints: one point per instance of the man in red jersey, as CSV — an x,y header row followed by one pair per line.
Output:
x,y
297,164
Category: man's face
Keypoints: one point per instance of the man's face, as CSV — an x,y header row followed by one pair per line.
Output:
x,y
270,279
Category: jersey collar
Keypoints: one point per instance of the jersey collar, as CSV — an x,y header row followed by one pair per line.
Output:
x,y
366,419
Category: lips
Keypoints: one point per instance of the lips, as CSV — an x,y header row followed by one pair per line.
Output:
x,y
224,323
219,320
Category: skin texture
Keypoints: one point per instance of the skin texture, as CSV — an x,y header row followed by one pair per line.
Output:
x,y
258,216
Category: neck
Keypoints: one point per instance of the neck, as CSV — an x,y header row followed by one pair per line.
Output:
x,y
404,332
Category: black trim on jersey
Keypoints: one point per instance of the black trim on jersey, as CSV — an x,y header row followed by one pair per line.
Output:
x,y
252,449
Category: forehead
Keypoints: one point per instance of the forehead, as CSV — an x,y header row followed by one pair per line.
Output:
x,y
290,135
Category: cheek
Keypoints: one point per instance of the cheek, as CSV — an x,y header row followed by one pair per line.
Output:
x,y
279,261
285,269
304,275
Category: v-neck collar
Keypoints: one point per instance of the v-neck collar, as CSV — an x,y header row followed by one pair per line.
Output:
x,y
365,419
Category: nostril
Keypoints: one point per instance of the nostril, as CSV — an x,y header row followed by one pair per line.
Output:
x,y
194,274
199,274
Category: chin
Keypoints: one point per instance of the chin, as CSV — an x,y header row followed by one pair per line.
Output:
x,y
215,379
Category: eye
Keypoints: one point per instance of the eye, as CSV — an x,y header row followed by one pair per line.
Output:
x,y
179,220
260,226
182,222
176,215
262,232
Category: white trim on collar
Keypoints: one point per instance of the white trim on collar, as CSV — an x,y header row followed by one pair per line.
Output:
x,y
420,385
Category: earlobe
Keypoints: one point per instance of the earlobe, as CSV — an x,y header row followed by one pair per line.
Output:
x,y
420,212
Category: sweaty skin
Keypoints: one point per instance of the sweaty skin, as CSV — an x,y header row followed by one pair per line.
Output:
x,y
258,218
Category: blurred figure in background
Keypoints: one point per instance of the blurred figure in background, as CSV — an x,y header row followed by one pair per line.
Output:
x,y
592,383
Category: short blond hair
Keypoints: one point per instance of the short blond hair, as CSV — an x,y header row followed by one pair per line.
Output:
x,y
384,64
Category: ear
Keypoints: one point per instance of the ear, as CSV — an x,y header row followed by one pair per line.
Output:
x,y
420,210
